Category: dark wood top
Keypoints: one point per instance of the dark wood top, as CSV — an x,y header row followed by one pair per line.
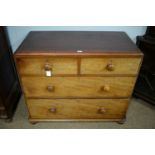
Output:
x,y
90,42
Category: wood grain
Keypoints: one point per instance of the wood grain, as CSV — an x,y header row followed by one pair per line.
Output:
x,y
78,86
74,54
36,120
77,108
82,87
99,65
35,66
71,41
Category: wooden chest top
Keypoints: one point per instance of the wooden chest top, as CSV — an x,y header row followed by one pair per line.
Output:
x,y
69,42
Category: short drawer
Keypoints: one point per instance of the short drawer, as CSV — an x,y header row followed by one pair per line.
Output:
x,y
109,66
77,108
78,86
39,66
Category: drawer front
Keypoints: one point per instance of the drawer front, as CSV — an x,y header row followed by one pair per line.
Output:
x,y
77,108
78,86
109,66
39,66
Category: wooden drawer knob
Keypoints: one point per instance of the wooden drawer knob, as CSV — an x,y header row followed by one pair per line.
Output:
x,y
110,67
48,70
102,110
50,88
48,67
53,110
105,88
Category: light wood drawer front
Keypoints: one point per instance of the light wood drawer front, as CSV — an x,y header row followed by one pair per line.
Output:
x,y
78,86
38,66
110,65
77,108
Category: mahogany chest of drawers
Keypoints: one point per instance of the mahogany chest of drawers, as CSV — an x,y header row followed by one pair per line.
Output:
x,y
77,76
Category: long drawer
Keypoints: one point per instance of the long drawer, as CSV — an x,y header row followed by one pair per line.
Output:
x,y
77,108
90,87
38,66
109,66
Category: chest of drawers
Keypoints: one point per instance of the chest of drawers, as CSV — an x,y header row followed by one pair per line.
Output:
x,y
77,76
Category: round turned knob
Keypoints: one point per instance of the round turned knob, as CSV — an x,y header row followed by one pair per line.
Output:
x,y
105,88
53,110
110,67
102,110
48,67
50,88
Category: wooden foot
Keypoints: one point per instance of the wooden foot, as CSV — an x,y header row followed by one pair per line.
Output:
x,y
8,120
33,123
122,121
